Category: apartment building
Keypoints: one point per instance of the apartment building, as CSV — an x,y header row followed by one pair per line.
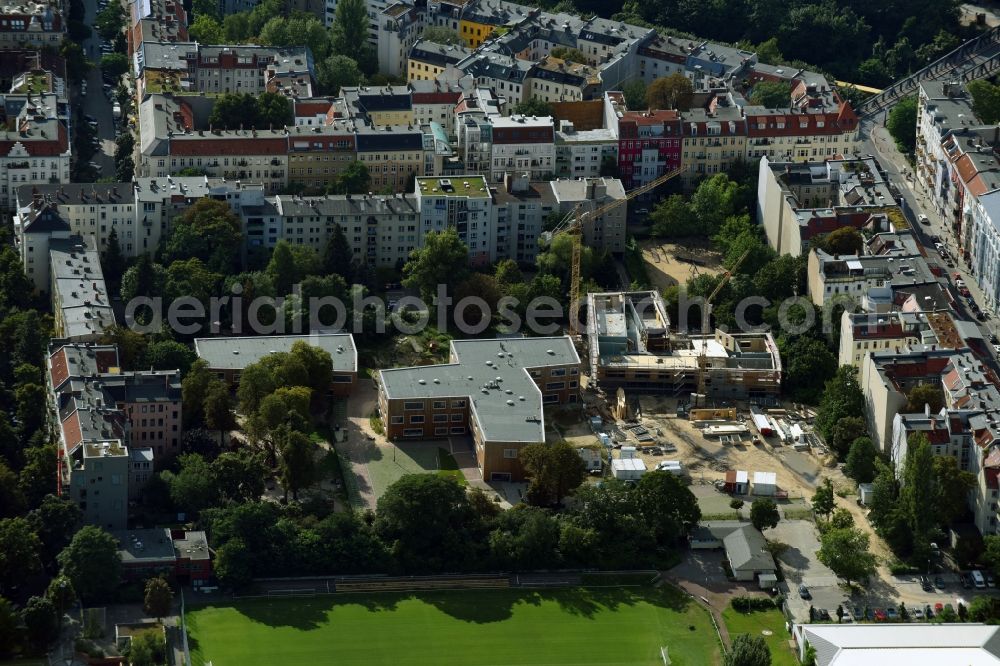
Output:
x,y
155,21
605,232
480,18
318,153
495,390
556,80
397,29
817,125
713,139
427,60
649,142
228,357
630,347
522,145
797,202
849,278
34,141
394,155
464,203
494,68
111,425
584,153
435,102
899,331
388,105
521,207
189,67
31,25
944,110
706,64
81,305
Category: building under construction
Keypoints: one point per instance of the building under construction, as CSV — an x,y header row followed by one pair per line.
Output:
x,y
631,346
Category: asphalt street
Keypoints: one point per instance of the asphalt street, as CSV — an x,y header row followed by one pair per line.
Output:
x,y
95,103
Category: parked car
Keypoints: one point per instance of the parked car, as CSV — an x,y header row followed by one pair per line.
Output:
x,y
847,617
804,592
966,581
891,614
925,583
824,614
880,615
938,607
990,580
939,582
923,219
917,613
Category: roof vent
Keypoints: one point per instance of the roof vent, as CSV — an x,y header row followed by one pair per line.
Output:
x,y
510,402
521,398
421,381
437,381
550,352
236,351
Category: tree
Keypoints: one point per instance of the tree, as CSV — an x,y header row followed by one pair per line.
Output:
x,y
533,106
841,397
427,523
807,361
42,623
9,633
748,650
209,231
714,201
444,259
19,552
206,29
239,476
218,409
297,30
823,501
77,64
37,478
673,91
338,71
169,355
147,648
31,405
772,94
159,598
338,257
352,179
918,492
54,521
985,100
11,498
982,609
114,65
282,268
845,431
61,593
113,262
350,28
846,552
923,396
667,507
442,35
569,54
635,94
554,470
92,564
297,462
233,564
736,504
845,240
192,487
194,388
109,22
235,27
841,518
902,124
860,463
764,514
274,110
952,486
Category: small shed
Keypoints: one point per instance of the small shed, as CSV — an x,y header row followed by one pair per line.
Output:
x,y
737,482
764,483
628,469
767,581
591,458
629,452
865,492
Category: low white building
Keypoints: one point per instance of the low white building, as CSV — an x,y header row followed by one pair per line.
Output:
x,y
900,644
765,484
628,469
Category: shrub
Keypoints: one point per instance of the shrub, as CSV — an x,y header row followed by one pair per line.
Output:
x,y
751,604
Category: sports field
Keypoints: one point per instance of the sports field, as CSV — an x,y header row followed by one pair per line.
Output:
x,y
510,627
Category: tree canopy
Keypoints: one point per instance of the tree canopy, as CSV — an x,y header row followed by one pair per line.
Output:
x,y
443,260
673,91
208,231
902,124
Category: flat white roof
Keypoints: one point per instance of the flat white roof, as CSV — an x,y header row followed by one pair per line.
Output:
x,y
631,464
767,478
903,644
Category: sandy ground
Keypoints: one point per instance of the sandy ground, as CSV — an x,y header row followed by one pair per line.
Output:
x,y
665,265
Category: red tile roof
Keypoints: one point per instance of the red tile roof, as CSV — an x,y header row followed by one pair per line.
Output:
x,y
190,145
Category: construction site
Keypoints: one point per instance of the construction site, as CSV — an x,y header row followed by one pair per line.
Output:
x,y
705,407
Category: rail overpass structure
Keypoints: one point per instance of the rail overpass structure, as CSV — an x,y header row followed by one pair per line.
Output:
x,y
977,58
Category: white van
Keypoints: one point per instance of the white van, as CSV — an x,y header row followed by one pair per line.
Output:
x,y
978,580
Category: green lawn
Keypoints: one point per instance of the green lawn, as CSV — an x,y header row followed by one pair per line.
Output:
x,y
760,621
395,460
514,627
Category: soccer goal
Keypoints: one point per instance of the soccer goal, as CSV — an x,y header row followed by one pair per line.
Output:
x,y
664,652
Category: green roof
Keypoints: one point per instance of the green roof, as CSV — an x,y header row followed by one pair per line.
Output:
x,y
473,187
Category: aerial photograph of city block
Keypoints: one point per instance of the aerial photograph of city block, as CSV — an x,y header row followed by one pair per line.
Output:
x,y
478,333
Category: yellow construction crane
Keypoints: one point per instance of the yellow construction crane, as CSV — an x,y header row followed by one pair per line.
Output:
x,y
572,225
706,320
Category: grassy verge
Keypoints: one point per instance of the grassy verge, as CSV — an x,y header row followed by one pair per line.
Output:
x,y
449,467
769,624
